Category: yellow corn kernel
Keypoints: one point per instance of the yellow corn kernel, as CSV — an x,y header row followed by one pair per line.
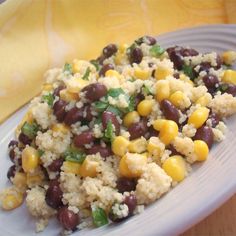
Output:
x,y
186,79
203,101
19,180
113,73
198,117
89,168
175,167
71,167
28,117
162,73
11,198
168,132
177,98
79,65
138,145
144,108
131,165
201,150
119,58
34,180
68,96
122,48
130,118
157,124
142,73
154,147
74,85
162,90
229,77
30,159
60,128
120,145
229,57
47,87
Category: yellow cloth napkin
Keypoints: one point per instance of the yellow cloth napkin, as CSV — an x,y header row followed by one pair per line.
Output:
x,y
39,34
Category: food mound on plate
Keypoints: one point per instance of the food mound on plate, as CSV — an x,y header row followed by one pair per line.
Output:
x,y
108,137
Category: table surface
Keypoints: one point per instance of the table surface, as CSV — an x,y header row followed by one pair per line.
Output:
x,y
222,222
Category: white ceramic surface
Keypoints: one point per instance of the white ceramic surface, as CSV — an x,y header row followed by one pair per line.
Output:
x,y
209,185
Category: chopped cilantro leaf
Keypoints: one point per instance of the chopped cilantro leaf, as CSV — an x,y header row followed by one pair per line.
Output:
x,y
74,155
68,68
86,74
156,50
40,152
101,106
188,70
115,92
109,132
30,130
114,110
48,98
99,216
96,64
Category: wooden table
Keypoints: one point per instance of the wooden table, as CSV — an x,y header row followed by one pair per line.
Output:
x,y
222,222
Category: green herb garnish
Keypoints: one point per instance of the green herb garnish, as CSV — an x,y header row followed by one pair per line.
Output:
x,y
96,64
74,155
86,74
48,98
156,50
222,88
188,70
109,132
101,106
30,130
68,68
99,216
115,92
40,152
114,110
146,90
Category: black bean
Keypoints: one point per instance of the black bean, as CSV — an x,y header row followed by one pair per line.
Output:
x,y
59,110
136,55
204,66
210,81
103,151
94,92
109,116
176,75
12,155
11,172
138,129
170,111
126,184
131,202
173,150
146,39
13,143
100,59
54,194
105,68
189,52
177,59
57,90
56,165
215,119
68,219
205,133
151,133
218,62
84,138
24,139
73,115
109,50
231,89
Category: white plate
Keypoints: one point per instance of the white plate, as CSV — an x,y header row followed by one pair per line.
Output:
x,y
210,184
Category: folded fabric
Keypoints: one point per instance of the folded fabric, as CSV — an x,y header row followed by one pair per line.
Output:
x,y
37,35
